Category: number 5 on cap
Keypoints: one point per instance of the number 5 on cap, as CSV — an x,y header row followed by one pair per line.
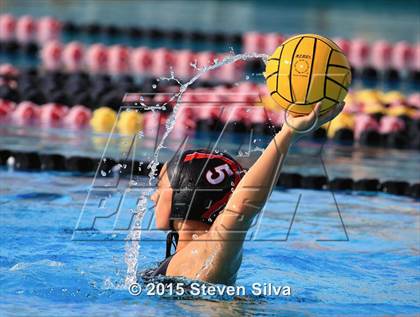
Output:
x,y
219,176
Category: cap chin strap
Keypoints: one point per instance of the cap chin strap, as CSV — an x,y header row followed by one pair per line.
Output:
x,y
171,239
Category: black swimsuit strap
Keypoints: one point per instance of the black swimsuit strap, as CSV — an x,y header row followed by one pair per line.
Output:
x,y
171,240
163,266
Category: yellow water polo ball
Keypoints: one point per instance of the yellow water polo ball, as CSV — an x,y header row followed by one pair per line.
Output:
x,y
306,69
342,121
374,107
103,120
130,122
392,96
400,110
368,95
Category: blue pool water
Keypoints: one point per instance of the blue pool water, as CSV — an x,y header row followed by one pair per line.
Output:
x,y
372,273
342,254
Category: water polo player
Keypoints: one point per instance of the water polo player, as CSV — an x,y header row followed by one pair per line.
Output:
x,y
209,202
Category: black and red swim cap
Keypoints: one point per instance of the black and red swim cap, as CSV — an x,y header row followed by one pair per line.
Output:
x,y
202,182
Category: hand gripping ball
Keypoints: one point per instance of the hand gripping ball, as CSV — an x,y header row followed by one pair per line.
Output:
x,y
306,69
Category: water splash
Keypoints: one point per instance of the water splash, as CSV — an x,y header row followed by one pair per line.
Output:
x,y
170,123
132,247
25,265
247,153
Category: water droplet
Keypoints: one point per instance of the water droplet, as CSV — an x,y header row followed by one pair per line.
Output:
x,y
246,77
154,86
116,168
10,161
103,173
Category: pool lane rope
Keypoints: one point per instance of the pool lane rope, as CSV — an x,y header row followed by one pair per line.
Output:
x,y
80,165
367,58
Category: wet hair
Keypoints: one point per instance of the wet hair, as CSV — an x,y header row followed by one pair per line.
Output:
x,y
202,182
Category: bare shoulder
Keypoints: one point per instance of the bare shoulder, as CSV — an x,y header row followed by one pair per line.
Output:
x,y
190,260
208,258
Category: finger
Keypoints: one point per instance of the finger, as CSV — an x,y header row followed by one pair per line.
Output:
x,y
336,109
331,114
328,116
314,114
340,106
317,108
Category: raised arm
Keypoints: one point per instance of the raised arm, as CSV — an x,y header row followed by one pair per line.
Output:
x,y
254,188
